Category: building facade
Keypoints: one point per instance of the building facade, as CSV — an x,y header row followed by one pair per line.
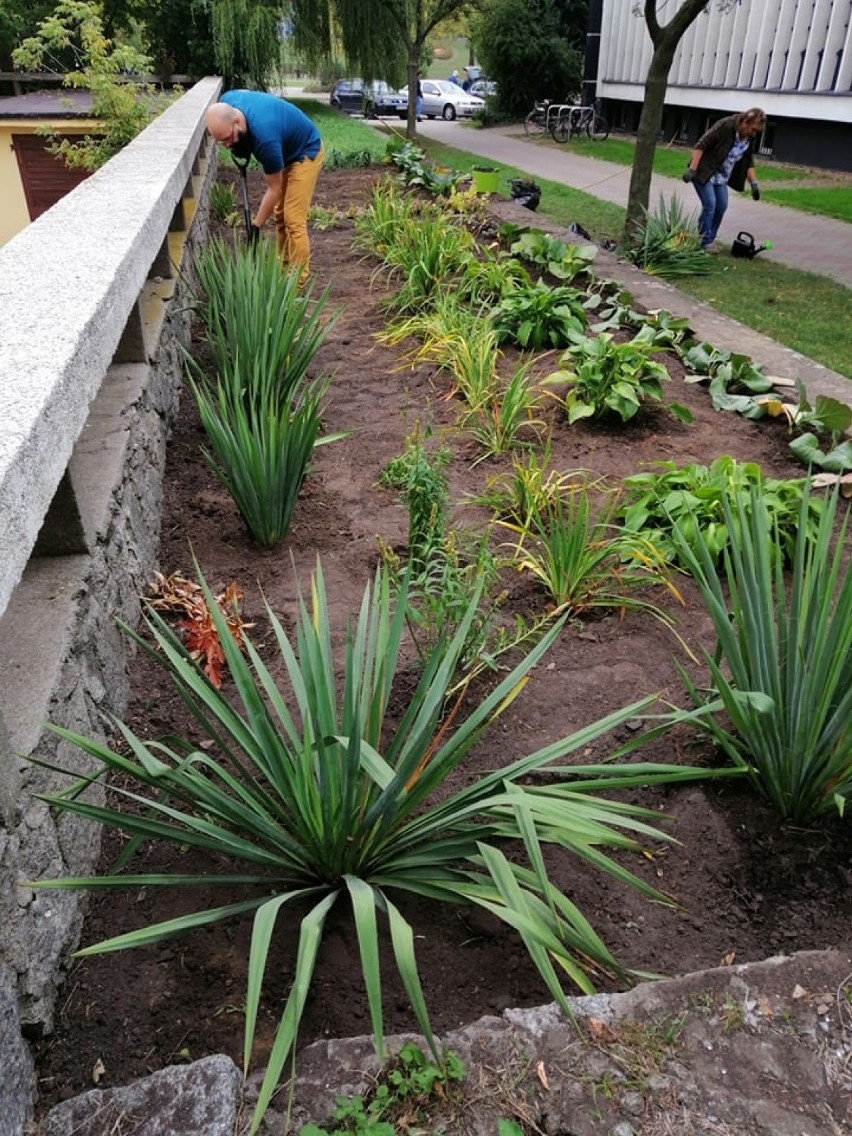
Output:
x,y
791,57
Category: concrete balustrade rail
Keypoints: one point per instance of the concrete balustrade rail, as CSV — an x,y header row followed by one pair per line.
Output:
x,y
93,317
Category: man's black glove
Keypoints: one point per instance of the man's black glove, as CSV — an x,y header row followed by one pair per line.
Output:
x,y
755,191
688,175
253,236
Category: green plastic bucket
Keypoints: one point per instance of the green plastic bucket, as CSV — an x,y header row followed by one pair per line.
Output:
x,y
484,179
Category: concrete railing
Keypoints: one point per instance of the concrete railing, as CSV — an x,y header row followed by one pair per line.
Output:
x,y
93,316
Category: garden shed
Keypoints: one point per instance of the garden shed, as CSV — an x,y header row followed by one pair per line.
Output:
x,y
31,179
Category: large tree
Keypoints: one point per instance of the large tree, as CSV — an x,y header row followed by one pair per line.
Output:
x,y
665,39
532,48
377,36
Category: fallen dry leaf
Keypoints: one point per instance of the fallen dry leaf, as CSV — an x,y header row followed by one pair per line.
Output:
x,y
542,1075
98,1070
728,960
599,1030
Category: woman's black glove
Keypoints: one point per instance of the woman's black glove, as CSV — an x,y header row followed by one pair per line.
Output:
x,y
688,175
755,191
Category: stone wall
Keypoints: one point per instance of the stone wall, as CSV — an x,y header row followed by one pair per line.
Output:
x,y
63,657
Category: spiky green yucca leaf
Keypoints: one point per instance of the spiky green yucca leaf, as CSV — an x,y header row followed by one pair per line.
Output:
x,y
308,791
786,650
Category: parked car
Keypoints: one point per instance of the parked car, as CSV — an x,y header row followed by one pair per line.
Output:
x,y
347,94
443,99
483,88
380,99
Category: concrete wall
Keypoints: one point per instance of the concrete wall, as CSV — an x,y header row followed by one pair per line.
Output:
x,y
92,316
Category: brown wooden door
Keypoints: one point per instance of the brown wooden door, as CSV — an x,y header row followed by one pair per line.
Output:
x,y
45,178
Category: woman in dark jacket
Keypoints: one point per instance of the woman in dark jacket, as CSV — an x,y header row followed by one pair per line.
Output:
x,y
722,157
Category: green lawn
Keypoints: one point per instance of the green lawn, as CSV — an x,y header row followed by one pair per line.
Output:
x,y
829,202
768,297
671,160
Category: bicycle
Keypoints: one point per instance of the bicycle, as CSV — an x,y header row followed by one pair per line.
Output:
x,y
535,124
579,120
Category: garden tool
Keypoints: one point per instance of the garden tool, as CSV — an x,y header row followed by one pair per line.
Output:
x,y
242,166
745,248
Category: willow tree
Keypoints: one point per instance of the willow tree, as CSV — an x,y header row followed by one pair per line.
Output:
x,y
376,36
245,39
665,39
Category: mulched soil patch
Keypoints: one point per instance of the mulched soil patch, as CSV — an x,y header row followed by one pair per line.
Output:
x,y
746,885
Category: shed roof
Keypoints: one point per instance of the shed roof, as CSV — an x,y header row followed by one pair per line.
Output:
x,y
48,104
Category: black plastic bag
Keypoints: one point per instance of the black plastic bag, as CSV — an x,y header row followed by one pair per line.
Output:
x,y
526,193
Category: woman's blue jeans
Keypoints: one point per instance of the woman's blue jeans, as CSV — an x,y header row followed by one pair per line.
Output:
x,y
714,202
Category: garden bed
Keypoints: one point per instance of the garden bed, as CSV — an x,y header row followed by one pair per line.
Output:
x,y
747,885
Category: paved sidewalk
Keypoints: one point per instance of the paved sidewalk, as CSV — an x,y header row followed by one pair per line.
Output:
x,y
800,240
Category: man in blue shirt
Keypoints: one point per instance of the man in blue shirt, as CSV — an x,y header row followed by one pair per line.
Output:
x,y
289,148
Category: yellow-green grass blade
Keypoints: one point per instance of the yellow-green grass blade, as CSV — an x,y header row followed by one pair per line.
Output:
x,y
402,940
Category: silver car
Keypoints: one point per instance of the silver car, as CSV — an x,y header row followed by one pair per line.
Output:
x,y
442,99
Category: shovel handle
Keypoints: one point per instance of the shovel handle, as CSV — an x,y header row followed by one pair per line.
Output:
x,y
242,166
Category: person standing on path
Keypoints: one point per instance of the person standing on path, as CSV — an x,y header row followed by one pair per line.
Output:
x,y
290,150
722,157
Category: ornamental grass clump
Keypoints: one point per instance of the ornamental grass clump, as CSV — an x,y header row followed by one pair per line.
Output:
x,y
317,796
782,666
260,411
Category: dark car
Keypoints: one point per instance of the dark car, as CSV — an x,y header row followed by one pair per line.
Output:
x,y
347,94
380,99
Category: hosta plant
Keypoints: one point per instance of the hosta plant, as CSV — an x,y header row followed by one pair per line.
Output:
x,y
317,799
606,378
692,499
563,261
782,666
539,317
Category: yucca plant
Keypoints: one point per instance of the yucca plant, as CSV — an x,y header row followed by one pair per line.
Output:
x,y
582,558
263,329
316,800
782,666
668,243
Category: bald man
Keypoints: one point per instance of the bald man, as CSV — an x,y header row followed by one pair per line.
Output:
x,y
290,150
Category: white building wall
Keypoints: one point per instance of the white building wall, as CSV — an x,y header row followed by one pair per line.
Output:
x,y
793,57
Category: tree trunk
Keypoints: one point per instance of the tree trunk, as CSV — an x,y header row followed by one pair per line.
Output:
x,y
650,122
665,39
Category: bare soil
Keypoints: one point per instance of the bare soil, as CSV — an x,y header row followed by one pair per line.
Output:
x,y
746,885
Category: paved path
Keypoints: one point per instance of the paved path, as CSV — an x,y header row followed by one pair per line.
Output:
x,y
800,240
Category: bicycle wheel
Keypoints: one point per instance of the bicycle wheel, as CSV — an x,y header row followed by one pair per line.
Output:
x,y
534,124
561,128
598,128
